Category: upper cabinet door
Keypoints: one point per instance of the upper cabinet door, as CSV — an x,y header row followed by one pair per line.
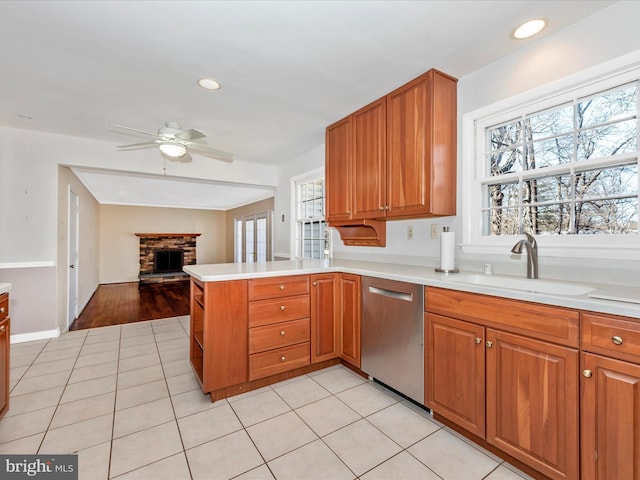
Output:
x,y
369,152
421,148
338,174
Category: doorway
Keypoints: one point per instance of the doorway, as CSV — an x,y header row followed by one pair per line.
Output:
x,y
72,257
253,238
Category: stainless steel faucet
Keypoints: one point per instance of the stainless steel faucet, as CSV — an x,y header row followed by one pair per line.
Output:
x,y
532,254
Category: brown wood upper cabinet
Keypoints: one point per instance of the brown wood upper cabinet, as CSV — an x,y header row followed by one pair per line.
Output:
x,y
396,157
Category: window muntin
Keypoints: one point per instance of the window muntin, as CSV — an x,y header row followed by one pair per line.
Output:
x,y
568,169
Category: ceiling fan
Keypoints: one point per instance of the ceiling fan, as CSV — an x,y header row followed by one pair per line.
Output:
x,y
175,144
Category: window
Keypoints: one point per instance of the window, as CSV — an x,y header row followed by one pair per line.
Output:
x,y
253,238
311,233
565,167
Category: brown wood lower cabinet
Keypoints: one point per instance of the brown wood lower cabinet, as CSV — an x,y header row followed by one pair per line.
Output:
x,y
532,402
350,309
325,317
610,397
243,332
219,325
517,392
455,381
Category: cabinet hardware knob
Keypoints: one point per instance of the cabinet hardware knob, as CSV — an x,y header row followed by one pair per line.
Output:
x,y
281,287
282,307
616,340
587,373
315,283
282,332
2,309
2,328
283,358
489,344
477,340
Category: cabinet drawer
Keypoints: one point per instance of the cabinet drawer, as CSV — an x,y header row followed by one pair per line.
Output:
x,y
275,287
612,336
554,324
4,305
265,312
278,335
278,361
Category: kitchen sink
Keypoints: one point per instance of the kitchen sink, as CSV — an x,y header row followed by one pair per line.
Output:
x,y
523,284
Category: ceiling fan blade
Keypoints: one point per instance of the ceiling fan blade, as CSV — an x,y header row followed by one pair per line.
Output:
x,y
135,146
149,134
191,134
208,151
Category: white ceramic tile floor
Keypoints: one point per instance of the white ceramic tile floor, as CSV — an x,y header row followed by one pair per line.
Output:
x,y
124,399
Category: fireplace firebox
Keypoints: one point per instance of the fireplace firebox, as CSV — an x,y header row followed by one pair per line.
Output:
x,y
168,260
162,256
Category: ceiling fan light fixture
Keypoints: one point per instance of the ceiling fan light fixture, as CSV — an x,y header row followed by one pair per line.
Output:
x,y
209,84
529,28
173,149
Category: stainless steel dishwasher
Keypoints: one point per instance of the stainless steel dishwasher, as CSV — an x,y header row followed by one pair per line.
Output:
x,y
392,335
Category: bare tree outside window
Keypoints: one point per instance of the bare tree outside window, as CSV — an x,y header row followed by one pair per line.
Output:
x,y
571,169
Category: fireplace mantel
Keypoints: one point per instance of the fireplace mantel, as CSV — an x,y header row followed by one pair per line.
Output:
x,y
167,234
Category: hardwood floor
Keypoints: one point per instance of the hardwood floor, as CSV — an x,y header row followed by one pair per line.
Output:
x,y
118,303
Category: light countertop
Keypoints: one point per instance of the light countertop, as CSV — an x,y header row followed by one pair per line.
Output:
x,y
5,288
409,273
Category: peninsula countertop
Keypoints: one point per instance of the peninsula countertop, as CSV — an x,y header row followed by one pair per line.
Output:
x,y
423,275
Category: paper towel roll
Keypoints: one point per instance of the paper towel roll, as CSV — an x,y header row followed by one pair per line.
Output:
x,y
447,250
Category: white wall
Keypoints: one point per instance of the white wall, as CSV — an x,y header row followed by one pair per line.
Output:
x,y
29,163
306,162
603,36
120,247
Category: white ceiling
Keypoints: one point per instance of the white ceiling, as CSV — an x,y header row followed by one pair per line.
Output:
x,y
288,69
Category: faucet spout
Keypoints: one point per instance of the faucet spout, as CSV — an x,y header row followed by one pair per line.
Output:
x,y
531,246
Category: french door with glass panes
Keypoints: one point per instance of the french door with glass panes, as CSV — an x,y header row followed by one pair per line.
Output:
x,y
253,238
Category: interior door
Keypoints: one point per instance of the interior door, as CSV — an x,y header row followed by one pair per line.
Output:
x,y
72,276
253,238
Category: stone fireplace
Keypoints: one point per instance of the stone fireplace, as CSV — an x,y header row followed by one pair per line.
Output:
x,y
162,256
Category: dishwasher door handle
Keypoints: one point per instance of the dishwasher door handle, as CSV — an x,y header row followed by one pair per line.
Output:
x,y
407,297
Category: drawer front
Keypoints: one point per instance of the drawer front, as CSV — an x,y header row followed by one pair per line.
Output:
x,y
265,312
554,324
277,361
278,335
275,287
4,305
612,336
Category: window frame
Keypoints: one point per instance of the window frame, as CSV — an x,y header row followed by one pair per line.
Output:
x,y
297,223
583,84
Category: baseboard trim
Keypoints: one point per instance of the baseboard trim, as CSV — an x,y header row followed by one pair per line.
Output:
x,y
29,337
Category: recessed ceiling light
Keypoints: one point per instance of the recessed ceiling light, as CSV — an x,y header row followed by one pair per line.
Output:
x,y
209,84
529,29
